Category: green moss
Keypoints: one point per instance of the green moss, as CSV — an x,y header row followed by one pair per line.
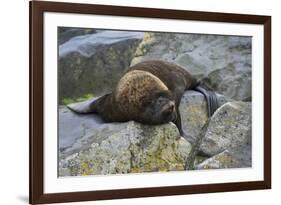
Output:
x,y
84,97
67,101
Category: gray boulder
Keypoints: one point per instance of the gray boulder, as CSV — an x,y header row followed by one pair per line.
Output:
x,y
127,148
223,160
66,33
72,127
93,63
229,129
240,81
238,157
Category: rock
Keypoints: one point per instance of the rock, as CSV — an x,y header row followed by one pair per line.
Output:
x,y
229,128
193,109
86,45
223,61
228,159
198,159
66,33
127,148
73,126
93,63
240,81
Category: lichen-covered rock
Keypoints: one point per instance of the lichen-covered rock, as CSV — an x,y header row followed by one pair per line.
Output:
x,y
223,160
229,128
237,157
93,63
127,148
197,160
193,109
223,61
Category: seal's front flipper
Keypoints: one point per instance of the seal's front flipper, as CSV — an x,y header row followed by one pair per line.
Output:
x,y
88,106
83,107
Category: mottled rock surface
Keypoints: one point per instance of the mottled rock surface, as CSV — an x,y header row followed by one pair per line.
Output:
x,y
221,160
127,148
227,141
229,127
72,127
238,157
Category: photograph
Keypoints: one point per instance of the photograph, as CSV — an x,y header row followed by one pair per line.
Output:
x,y
142,101
130,102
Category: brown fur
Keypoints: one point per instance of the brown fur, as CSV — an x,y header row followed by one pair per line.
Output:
x,y
176,78
133,87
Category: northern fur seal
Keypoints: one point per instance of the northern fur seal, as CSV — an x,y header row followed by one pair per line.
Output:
x,y
149,92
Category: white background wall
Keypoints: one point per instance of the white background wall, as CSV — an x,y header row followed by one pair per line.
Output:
x,y
14,101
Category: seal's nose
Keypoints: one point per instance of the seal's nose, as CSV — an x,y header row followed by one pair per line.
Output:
x,y
169,108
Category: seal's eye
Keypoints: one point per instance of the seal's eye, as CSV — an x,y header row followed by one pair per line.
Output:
x,y
147,102
161,101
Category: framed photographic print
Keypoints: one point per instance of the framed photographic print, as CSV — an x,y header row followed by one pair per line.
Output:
x,y
138,102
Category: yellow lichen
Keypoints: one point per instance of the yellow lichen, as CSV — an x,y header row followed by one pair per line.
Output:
x,y
85,168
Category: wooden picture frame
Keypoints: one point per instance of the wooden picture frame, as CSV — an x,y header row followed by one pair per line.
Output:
x,y
37,9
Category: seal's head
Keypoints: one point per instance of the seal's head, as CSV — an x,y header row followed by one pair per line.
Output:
x,y
158,108
143,97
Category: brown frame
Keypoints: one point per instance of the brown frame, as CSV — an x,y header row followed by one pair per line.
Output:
x,y
37,9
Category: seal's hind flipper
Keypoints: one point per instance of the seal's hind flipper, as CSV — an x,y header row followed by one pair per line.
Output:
x,y
211,97
214,100
88,106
